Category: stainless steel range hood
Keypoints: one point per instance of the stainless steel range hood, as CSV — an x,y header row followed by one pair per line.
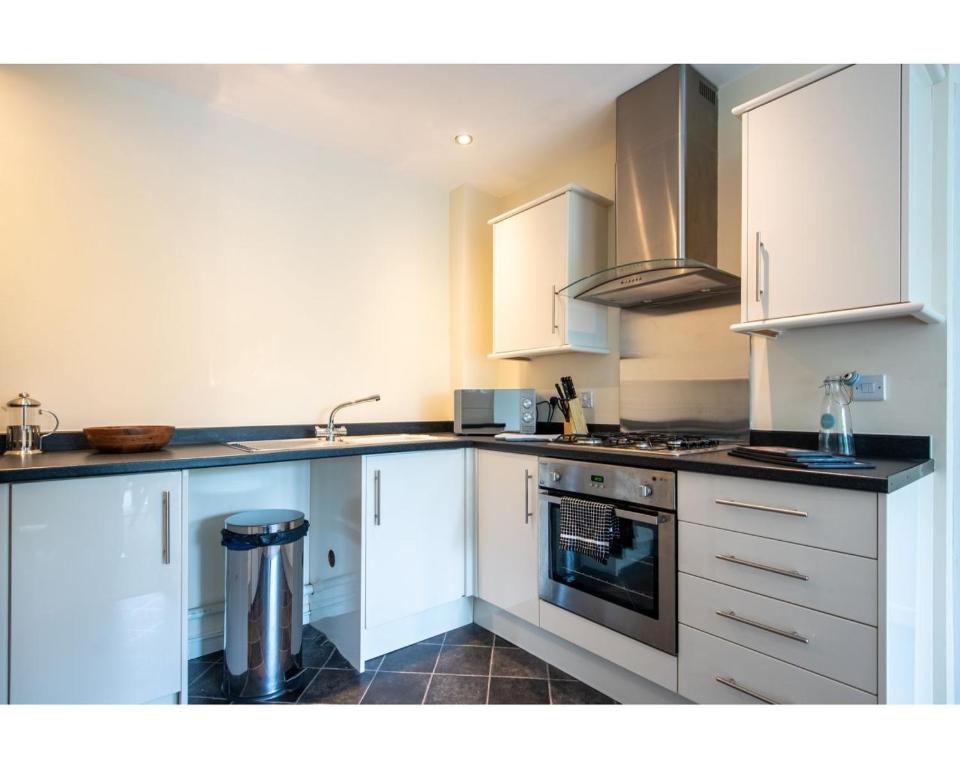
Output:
x,y
666,204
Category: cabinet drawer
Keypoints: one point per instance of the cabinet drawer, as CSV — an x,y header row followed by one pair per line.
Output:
x,y
843,585
704,658
829,518
836,648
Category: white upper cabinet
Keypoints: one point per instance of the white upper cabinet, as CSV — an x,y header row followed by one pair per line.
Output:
x,y
95,584
538,249
414,526
507,533
836,179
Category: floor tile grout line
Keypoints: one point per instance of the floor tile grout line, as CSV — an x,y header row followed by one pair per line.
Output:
x,y
333,650
316,672
429,675
452,674
367,689
372,679
430,681
490,670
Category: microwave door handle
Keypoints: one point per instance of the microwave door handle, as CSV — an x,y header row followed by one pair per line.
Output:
x,y
624,514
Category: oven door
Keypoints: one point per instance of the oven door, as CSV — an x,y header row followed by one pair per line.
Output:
x,y
634,593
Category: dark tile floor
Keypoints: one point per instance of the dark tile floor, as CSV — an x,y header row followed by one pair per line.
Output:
x,y
468,665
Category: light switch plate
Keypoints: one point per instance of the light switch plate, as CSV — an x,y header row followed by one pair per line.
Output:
x,y
586,398
871,386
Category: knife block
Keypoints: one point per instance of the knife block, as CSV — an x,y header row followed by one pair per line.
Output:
x,y
577,419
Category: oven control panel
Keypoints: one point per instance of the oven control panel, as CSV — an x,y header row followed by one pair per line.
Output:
x,y
633,485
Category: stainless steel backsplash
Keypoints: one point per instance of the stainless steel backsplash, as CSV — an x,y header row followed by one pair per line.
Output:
x,y
684,371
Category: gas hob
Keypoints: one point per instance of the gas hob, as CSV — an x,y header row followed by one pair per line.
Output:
x,y
650,443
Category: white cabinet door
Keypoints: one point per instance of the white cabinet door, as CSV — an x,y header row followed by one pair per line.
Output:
x,y
4,588
414,533
538,249
96,590
822,196
529,266
507,569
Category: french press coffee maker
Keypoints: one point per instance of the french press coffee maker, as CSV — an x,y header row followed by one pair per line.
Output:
x,y
24,436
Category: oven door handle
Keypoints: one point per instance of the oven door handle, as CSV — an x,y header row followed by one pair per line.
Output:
x,y
626,514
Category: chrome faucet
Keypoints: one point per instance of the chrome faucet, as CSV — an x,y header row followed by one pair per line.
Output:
x,y
330,433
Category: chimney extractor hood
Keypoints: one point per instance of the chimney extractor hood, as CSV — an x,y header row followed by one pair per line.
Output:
x,y
666,204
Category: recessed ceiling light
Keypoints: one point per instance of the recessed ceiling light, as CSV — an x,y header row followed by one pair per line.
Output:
x,y
463,139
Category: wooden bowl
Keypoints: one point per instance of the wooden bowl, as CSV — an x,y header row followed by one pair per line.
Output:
x,y
128,439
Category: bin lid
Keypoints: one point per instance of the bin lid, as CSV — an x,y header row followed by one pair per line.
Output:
x,y
264,521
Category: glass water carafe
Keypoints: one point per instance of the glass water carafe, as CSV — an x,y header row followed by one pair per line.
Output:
x,y
836,428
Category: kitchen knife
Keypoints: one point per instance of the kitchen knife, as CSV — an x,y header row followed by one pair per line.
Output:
x,y
562,402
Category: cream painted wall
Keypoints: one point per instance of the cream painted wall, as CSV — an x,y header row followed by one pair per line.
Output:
x,y
164,263
471,289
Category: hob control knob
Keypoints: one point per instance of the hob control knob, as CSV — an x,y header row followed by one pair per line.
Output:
x,y
645,490
555,476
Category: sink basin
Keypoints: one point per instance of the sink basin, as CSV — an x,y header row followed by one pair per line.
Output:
x,y
314,444
379,439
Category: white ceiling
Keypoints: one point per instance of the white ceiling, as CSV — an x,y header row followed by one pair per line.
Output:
x,y
523,116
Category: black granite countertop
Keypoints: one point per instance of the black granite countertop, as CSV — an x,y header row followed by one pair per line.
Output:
x,y
888,476
83,463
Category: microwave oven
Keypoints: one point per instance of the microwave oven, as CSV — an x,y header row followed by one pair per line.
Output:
x,y
491,411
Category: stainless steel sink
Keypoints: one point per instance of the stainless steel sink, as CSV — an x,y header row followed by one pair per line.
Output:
x,y
382,439
315,444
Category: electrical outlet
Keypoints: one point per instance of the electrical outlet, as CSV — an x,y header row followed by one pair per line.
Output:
x,y
871,387
586,398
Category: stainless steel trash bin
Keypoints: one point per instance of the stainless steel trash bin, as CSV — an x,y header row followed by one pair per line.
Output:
x,y
263,618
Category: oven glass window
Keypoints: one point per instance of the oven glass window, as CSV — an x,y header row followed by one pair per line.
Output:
x,y
628,578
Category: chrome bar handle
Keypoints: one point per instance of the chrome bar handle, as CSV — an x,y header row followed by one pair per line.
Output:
x,y
761,507
376,497
165,524
527,514
793,574
759,262
554,328
731,683
623,514
787,633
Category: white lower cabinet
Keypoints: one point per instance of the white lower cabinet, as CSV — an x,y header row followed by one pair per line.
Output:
x,y
787,592
507,548
828,518
835,583
95,584
414,524
4,589
836,648
714,671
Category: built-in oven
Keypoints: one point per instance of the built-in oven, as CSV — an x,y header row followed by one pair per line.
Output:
x,y
635,591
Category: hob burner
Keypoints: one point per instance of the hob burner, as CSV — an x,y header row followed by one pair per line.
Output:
x,y
649,442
